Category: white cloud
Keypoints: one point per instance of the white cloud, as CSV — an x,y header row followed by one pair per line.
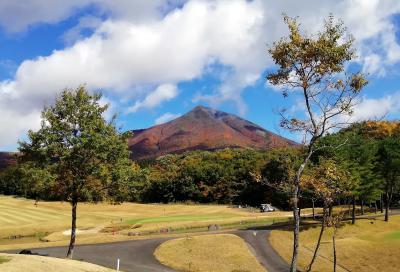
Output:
x,y
85,23
122,55
16,16
163,92
377,108
143,46
166,117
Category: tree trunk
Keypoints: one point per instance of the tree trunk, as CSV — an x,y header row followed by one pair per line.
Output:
x,y
296,230
296,215
313,209
73,230
376,208
381,203
353,215
362,207
330,210
319,240
387,204
334,249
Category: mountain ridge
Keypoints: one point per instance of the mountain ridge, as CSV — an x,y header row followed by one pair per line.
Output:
x,y
202,128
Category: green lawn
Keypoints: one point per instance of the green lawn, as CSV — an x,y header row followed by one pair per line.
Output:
x,y
4,259
395,235
180,218
23,223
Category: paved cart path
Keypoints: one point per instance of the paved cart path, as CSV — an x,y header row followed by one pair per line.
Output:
x,y
137,255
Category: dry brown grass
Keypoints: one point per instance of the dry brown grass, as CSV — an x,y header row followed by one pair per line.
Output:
x,y
30,263
218,253
369,245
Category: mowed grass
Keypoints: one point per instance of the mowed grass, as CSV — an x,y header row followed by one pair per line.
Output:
x,y
48,220
181,218
4,259
31,263
369,245
218,253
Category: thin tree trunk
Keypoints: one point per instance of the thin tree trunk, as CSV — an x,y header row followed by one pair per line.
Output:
x,y
313,208
296,230
296,215
362,207
387,204
330,210
334,249
353,215
376,207
73,230
319,240
381,203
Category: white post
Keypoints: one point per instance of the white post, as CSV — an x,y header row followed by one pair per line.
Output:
x,y
118,264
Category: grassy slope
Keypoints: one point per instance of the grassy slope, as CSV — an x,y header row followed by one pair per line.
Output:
x,y
31,263
370,245
218,253
20,216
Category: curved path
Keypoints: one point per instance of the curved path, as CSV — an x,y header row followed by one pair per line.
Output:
x,y
137,255
262,249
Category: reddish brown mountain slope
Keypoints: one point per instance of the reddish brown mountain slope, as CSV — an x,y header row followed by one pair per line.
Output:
x,y
205,129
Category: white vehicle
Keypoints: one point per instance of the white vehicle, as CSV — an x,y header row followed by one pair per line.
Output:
x,y
266,208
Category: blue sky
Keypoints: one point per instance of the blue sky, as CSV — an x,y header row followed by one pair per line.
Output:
x,y
154,60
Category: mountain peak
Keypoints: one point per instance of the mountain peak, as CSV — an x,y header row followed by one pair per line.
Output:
x,y
201,108
205,129
205,112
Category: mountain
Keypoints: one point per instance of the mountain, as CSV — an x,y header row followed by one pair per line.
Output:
x,y
202,129
7,158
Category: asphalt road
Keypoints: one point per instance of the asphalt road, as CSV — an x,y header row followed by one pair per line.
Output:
x,y
262,249
137,255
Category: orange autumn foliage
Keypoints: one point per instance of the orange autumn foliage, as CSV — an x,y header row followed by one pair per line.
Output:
x,y
381,129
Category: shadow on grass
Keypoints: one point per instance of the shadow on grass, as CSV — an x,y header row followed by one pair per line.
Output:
x,y
307,223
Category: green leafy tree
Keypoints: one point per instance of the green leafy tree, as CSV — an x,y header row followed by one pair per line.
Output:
x,y
312,67
388,168
357,155
80,149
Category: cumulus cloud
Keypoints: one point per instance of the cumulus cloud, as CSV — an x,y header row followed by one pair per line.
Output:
x,y
139,48
163,92
16,16
76,33
166,117
377,108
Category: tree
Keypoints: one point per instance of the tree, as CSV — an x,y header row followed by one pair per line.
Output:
x,y
83,152
312,67
388,168
329,181
357,156
280,170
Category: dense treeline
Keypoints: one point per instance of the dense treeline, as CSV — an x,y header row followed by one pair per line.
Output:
x,y
369,154
223,176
